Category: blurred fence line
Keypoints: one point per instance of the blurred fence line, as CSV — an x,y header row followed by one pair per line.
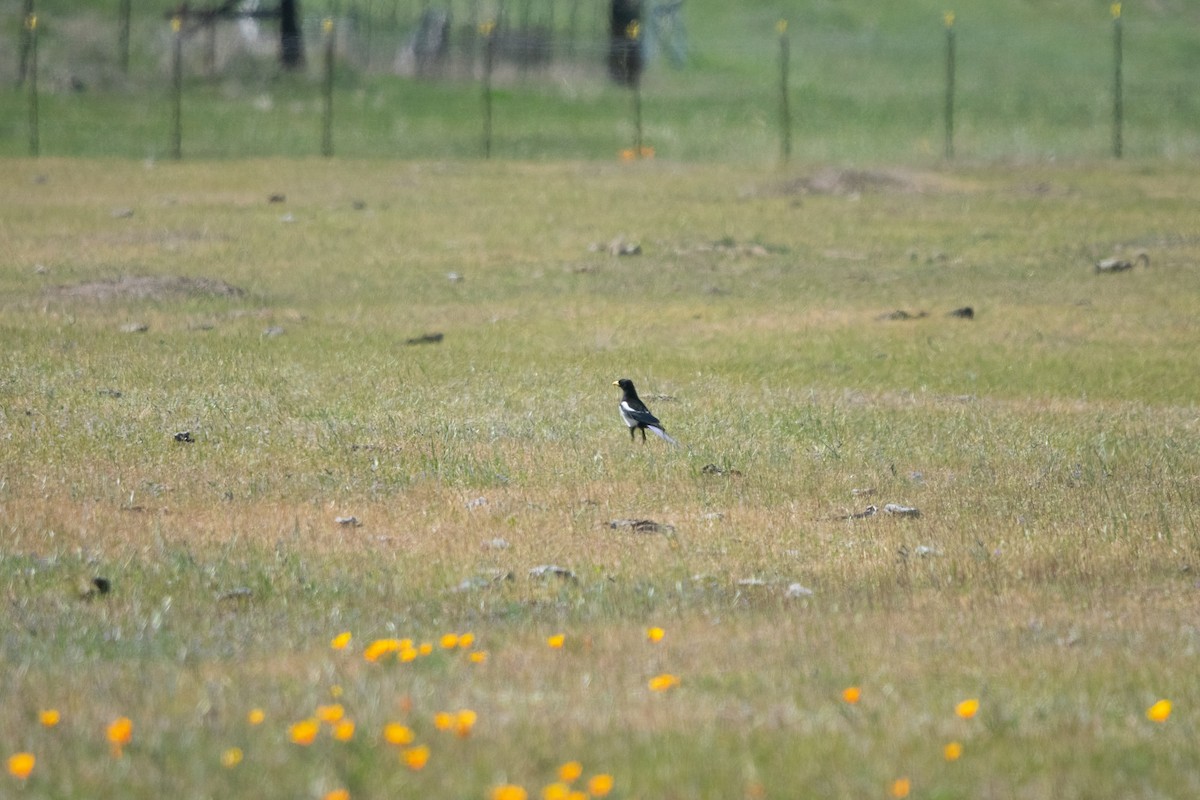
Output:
x,y
529,42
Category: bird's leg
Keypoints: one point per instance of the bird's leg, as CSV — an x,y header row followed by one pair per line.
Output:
x,y
631,436
643,430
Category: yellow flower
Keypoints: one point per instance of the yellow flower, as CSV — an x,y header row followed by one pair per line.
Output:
x,y
415,758
304,732
1159,711
380,648
655,634
408,654
49,718
398,734
464,721
556,641
340,641
577,794
570,772
425,648
952,751
852,694
443,720
901,787
119,734
466,640
331,714
478,657
967,708
661,683
556,791
509,791
337,794
231,757
21,764
600,785
343,730
449,641
256,716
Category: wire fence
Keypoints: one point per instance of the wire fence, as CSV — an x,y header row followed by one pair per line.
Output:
x,y
522,43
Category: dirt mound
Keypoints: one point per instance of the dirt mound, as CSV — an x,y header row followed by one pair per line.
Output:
x,y
850,182
147,287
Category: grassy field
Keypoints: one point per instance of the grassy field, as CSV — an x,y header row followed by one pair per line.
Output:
x,y
1050,445
867,81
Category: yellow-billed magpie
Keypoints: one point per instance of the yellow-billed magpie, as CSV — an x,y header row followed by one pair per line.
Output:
x,y
635,414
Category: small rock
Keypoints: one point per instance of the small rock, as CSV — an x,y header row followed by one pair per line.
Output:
x,y
496,544
273,331
795,590
277,198
869,511
349,522
900,315
619,246
185,437
751,582
454,277
478,502
641,525
286,218
95,588
966,312
925,551
901,511
426,338
134,327
552,570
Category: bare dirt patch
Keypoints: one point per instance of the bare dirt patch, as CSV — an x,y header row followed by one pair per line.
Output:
x,y
147,287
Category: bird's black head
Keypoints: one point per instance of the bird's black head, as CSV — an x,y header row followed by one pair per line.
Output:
x,y
625,384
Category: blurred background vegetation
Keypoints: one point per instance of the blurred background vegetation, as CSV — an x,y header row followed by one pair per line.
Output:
x,y
1034,81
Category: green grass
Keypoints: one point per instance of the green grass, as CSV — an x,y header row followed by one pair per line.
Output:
x,y
1050,445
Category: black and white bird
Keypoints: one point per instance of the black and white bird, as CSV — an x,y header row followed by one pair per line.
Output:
x,y
635,414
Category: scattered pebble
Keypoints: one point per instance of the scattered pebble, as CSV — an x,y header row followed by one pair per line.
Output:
x,y
552,570
641,525
901,511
